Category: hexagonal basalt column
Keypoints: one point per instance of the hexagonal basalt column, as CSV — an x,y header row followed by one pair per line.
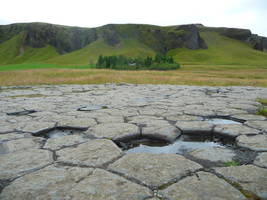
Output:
x,y
252,179
253,142
20,162
104,185
154,170
48,183
202,186
115,131
195,126
234,130
20,144
92,153
35,127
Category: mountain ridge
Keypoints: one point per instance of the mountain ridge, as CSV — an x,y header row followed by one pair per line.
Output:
x,y
61,44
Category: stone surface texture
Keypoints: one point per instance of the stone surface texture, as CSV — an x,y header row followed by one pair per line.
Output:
x,y
92,153
83,161
214,154
202,186
251,178
154,170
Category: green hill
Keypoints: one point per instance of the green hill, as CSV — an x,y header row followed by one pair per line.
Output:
x,y
188,44
90,53
221,50
13,51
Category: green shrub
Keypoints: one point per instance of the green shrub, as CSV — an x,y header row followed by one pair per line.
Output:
x,y
159,62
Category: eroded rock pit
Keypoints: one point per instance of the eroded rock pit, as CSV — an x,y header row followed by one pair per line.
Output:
x,y
206,148
59,132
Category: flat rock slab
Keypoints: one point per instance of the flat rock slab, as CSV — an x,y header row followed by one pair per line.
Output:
x,y
17,163
61,152
10,136
104,185
214,154
251,178
20,144
35,127
261,125
48,183
166,132
202,186
115,131
253,142
154,170
92,153
76,122
261,160
234,130
64,141
194,126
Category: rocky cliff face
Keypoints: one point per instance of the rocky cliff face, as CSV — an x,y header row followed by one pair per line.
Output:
x,y
66,39
161,39
245,35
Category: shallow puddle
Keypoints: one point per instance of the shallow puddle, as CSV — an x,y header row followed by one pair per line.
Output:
x,y
178,147
218,121
184,144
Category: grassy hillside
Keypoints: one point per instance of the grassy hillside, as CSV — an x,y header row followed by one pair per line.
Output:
x,y
12,51
128,40
90,53
221,50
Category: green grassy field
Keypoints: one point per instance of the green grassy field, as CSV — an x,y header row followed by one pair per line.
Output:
x,y
211,75
29,66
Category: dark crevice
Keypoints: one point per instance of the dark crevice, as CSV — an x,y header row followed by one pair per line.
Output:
x,y
176,180
225,117
106,164
131,179
4,183
68,164
21,113
67,146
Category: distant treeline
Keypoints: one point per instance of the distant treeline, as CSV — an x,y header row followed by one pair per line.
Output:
x,y
159,62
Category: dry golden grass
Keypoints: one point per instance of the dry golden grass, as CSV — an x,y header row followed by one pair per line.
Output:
x,y
189,75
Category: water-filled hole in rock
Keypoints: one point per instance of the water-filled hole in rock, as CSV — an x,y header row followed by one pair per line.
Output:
x,y
184,144
224,120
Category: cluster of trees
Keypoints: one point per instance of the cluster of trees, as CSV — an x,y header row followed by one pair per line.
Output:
x,y
159,62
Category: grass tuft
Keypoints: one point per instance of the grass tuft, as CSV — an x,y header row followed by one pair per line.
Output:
x,y
232,163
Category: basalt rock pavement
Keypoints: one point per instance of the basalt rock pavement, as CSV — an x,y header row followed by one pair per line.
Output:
x,y
70,142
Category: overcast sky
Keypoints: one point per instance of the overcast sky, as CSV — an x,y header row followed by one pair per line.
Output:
x,y
251,14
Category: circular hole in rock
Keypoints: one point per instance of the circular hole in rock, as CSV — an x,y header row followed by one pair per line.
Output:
x,y
208,149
